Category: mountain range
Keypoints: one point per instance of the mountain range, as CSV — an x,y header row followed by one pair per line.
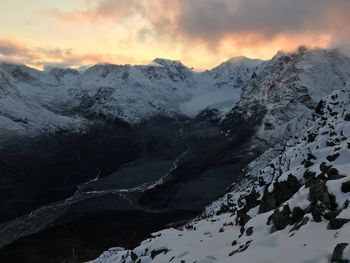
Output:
x,y
103,150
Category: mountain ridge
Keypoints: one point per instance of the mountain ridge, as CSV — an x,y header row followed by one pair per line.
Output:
x,y
133,93
174,132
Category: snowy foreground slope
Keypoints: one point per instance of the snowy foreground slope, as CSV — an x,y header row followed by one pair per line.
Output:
x,y
296,209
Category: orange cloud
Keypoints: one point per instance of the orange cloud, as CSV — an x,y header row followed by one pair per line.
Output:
x,y
18,52
201,33
103,10
10,47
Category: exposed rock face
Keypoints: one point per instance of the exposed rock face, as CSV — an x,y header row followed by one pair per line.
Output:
x,y
337,256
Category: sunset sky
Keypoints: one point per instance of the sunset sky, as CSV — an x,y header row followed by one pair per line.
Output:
x,y
200,33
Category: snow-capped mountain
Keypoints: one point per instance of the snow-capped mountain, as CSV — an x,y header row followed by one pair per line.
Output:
x,y
27,102
152,139
54,99
286,89
237,71
296,209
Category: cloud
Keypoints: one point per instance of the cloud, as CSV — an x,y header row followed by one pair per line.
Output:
x,y
10,47
212,21
256,20
104,10
14,51
202,33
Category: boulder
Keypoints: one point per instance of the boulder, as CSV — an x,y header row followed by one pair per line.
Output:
x,y
337,256
282,192
281,219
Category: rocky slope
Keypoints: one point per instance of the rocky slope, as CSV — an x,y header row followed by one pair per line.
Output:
x,y
296,209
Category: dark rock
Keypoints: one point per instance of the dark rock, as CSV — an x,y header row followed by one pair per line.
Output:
x,y
308,163
311,137
249,231
234,252
297,214
155,253
347,117
337,223
282,192
331,214
268,201
309,177
320,107
133,256
224,208
337,256
316,211
86,102
300,224
345,187
319,192
333,200
333,157
240,249
310,156
251,201
281,219
241,230
330,144
242,217
333,174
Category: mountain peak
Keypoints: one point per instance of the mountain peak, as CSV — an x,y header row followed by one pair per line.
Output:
x,y
237,64
239,59
168,62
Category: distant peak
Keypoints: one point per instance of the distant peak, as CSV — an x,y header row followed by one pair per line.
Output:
x,y
167,62
238,59
10,65
304,50
62,71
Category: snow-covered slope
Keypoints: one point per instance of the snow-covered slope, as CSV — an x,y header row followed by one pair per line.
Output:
x,y
164,87
51,100
222,86
288,88
296,209
23,103
237,71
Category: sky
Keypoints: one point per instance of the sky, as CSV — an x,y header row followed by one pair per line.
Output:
x,y
200,33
